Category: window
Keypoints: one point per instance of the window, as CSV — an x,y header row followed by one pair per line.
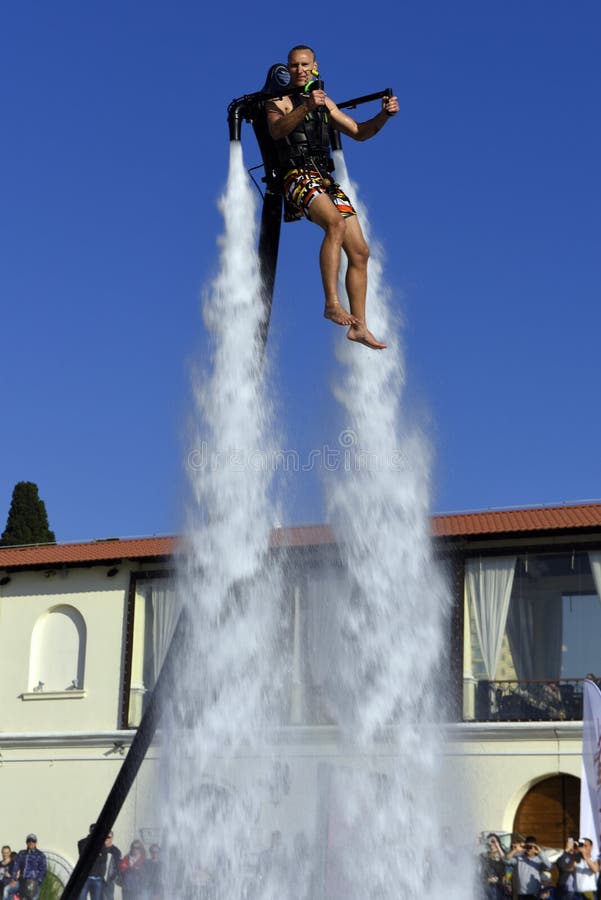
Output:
x,y
58,644
534,618
156,610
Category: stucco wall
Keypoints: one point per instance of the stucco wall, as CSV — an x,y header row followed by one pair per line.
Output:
x,y
498,765
101,603
57,793
55,779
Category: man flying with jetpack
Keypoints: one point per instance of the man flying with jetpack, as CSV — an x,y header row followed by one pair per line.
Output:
x,y
299,125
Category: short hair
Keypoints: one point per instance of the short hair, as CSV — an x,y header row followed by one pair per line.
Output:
x,y
301,47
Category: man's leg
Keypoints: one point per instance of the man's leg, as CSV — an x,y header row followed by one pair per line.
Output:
x,y
324,213
357,252
96,885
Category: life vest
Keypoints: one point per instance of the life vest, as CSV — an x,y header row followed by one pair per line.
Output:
x,y
308,146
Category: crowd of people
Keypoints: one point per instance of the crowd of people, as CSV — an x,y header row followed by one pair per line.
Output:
x,y
525,871
22,873
138,873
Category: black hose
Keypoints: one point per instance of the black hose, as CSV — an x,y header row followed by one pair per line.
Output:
x,y
131,765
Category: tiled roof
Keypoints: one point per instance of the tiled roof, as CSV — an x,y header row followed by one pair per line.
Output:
x,y
90,552
510,521
302,536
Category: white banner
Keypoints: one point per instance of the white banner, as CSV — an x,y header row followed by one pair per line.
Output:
x,y
590,788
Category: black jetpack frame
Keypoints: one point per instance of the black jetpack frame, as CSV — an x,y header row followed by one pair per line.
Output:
x,y
251,108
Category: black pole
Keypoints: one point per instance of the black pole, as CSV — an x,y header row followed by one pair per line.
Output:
x,y
351,104
131,765
269,242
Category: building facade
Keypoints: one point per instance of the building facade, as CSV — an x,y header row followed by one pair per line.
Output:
x,y
85,628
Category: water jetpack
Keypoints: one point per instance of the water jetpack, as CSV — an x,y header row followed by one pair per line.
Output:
x,y
251,108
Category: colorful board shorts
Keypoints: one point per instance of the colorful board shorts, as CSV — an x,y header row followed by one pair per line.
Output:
x,y
302,186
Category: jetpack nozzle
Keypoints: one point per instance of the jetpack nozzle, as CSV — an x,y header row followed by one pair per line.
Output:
x,y
234,118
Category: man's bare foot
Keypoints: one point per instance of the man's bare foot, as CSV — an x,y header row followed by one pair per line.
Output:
x,y
362,335
338,314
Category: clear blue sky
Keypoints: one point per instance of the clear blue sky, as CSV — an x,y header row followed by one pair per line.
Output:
x,y
485,192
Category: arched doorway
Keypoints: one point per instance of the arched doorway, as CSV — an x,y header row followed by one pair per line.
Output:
x,y
550,811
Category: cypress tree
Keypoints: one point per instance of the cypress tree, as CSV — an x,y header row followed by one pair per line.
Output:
x,y
27,521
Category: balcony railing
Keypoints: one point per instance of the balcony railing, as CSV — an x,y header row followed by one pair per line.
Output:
x,y
529,701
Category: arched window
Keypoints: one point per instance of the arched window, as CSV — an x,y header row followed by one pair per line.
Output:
x,y
58,647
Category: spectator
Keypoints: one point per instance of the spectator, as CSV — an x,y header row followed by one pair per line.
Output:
x,y
151,875
511,865
492,869
531,864
301,870
111,872
586,871
129,871
546,889
6,864
565,867
28,872
553,700
94,882
272,862
199,883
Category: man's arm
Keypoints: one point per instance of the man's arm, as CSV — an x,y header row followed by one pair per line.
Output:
x,y
545,861
565,862
283,117
516,849
16,869
363,131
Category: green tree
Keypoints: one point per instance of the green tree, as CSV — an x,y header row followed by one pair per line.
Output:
x,y
27,521
52,888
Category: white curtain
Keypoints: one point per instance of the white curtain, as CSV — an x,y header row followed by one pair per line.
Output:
x,y
488,583
322,623
595,561
165,607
